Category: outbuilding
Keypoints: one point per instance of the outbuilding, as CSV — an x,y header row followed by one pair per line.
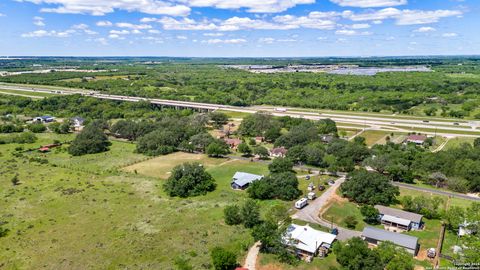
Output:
x,y
375,236
241,180
399,220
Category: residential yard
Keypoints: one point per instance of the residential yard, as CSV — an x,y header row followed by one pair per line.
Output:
x,y
452,201
66,218
270,262
373,137
339,210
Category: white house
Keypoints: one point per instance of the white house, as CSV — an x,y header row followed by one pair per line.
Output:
x,y
307,241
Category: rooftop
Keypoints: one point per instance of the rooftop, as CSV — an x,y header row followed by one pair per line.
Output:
x,y
308,239
399,213
398,239
243,178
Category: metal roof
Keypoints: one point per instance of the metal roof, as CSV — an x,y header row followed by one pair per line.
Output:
x,y
399,213
306,238
243,178
397,220
398,239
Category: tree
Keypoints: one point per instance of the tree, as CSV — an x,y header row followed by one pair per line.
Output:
x,y
370,214
282,186
355,255
244,149
37,128
90,141
201,141
15,181
158,142
438,179
393,257
280,165
189,179
223,259
217,149
268,234
369,188
297,154
278,213
476,143
261,151
250,213
231,215
219,119
351,222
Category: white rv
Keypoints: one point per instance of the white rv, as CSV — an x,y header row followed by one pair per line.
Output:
x,y
301,203
311,195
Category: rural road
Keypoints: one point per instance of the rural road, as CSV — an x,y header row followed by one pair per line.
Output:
x,y
446,126
310,212
438,192
251,260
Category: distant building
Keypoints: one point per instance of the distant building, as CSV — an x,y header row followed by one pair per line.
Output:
x,y
241,180
466,228
77,121
399,220
278,152
416,139
308,242
375,236
259,139
327,138
44,119
233,143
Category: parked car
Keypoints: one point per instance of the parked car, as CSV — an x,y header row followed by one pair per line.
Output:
x,y
331,182
335,231
307,177
320,187
456,124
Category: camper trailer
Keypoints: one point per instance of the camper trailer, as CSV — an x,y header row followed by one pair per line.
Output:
x,y
312,195
301,203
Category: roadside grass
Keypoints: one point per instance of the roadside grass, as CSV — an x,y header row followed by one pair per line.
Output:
x,y
451,201
231,114
24,93
339,211
373,136
456,142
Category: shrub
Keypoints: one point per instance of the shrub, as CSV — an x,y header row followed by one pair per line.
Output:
x,y
189,179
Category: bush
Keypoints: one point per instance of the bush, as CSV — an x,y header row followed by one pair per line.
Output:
x,y
37,128
370,214
189,179
223,259
250,213
217,149
369,188
282,186
351,222
231,215
280,165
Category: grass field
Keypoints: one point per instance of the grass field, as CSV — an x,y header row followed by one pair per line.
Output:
x,y
452,201
62,216
24,93
455,142
338,211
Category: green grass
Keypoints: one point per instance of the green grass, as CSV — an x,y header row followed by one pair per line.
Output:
x,y
428,237
231,114
269,261
456,142
373,136
65,218
452,201
338,211
24,93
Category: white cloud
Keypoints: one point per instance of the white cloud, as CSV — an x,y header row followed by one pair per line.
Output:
x,y
38,21
182,37
402,17
425,29
213,34
104,23
359,26
102,41
269,40
349,32
369,3
102,7
449,35
52,33
81,26
119,32
225,41
133,26
154,31
115,36
2,15
253,6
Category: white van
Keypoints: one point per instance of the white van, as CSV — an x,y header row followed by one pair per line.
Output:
x,y
311,195
301,203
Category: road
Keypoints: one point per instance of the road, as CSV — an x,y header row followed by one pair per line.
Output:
x,y
310,212
251,260
451,128
435,191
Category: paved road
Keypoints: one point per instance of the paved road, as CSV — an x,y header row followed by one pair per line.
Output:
x,y
311,211
375,123
435,191
251,260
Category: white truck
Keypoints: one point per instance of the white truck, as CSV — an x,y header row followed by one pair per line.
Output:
x,y
301,203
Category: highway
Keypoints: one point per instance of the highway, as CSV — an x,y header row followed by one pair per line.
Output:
x,y
445,127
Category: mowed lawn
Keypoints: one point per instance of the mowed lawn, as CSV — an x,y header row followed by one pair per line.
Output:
x,y
339,211
61,217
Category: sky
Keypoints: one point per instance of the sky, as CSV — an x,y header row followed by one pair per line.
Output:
x,y
239,28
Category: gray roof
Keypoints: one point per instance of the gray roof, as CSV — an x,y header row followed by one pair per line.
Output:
x,y
399,213
398,239
243,178
397,220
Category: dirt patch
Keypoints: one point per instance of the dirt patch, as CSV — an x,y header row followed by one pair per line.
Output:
x,y
422,255
334,197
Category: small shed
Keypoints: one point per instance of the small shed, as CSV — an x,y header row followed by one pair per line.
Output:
x,y
375,236
241,180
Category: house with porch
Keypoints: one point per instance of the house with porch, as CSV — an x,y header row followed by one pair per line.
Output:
x,y
308,242
397,220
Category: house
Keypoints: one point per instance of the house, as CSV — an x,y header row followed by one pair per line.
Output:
x,y
44,119
77,121
259,139
241,180
325,138
399,220
308,242
278,152
375,236
466,228
416,139
233,143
